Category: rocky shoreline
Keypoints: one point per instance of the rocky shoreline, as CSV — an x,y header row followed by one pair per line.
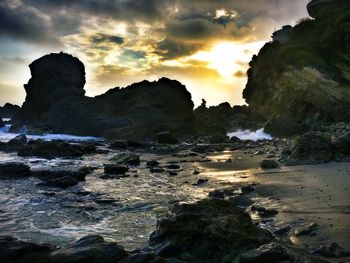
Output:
x,y
213,229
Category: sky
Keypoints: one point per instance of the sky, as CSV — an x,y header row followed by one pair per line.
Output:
x,y
205,44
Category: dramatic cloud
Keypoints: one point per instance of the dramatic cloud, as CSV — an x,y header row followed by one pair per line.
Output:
x,y
205,44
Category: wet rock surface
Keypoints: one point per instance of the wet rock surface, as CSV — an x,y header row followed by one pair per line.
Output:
x,y
208,231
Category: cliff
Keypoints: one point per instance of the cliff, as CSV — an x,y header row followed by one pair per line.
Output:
x,y
307,79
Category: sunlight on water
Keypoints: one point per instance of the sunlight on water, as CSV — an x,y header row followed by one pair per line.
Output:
x,y
250,135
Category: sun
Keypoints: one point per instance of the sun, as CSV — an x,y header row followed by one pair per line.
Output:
x,y
229,58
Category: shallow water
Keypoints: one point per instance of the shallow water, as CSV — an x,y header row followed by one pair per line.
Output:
x,y
124,210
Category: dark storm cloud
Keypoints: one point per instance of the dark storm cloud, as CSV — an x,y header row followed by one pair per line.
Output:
x,y
122,9
169,49
105,38
21,23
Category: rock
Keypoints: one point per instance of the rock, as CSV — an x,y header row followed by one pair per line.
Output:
x,y
332,251
264,212
211,230
55,102
152,163
13,250
173,166
218,138
283,126
307,230
126,159
18,141
166,138
216,194
201,182
9,110
156,170
269,164
342,146
196,172
312,148
248,189
50,149
115,169
277,253
119,144
13,170
171,173
303,81
61,182
88,249
2,123
46,175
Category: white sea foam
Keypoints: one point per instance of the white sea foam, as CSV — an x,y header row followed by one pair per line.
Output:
x,y
250,135
6,136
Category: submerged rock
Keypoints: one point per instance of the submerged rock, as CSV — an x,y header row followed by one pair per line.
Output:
x,y
13,170
211,230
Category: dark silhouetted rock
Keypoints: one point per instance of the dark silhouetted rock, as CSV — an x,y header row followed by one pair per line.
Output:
x,y
2,123
88,249
50,149
264,212
9,110
13,250
55,102
119,144
305,78
282,126
14,170
166,138
115,169
152,163
18,141
207,231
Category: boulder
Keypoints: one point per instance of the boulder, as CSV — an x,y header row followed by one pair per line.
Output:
x,y
14,170
13,250
61,182
269,164
18,141
115,169
211,230
126,159
2,123
50,149
312,148
342,146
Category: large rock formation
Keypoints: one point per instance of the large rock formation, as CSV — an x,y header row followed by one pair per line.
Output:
x,y
56,103
307,79
9,110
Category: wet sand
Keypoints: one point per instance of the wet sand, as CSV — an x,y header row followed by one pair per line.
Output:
x,y
301,194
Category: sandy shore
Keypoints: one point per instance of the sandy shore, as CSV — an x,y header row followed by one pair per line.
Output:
x,y
302,195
